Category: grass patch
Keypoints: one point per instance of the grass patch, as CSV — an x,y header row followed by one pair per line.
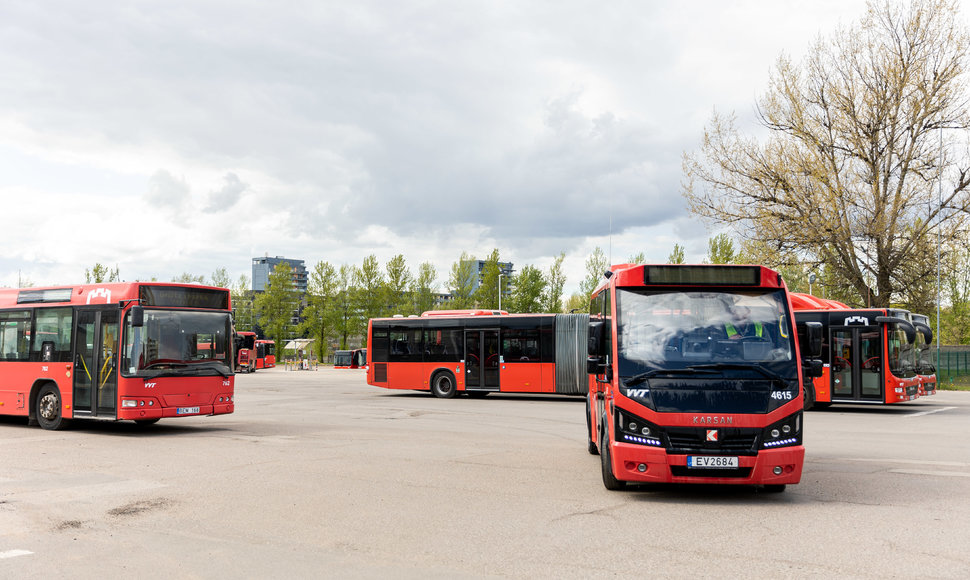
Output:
x,y
960,383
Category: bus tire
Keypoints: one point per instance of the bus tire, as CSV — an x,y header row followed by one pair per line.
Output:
x,y
590,444
443,385
50,414
606,461
809,397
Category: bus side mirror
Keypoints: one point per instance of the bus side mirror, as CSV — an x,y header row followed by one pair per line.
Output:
x,y
594,342
137,315
812,368
813,340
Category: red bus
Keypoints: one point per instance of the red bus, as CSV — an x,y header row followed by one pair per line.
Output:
x,y
265,354
695,377
925,355
478,353
138,351
245,352
868,355
350,359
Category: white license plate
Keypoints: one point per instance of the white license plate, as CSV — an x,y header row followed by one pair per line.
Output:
x,y
711,462
195,411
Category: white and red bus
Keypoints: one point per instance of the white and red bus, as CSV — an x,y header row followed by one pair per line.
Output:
x,y
478,352
925,355
869,354
119,351
695,376
245,351
265,354
350,359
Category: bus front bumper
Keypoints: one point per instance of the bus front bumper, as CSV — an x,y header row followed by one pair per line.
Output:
x,y
636,463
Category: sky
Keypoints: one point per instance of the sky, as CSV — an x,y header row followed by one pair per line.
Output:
x,y
163,138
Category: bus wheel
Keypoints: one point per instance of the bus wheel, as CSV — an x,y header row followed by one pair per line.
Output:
x,y
443,385
590,445
49,408
609,480
809,397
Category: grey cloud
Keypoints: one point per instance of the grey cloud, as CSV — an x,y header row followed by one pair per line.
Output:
x,y
228,196
166,192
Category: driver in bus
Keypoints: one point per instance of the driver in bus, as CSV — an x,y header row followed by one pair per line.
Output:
x,y
741,326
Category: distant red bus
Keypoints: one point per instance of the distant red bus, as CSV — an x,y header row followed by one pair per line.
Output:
x,y
925,355
478,352
120,351
245,352
869,354
265,354
350,359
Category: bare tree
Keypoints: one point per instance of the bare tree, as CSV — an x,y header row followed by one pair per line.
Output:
x,y
848,176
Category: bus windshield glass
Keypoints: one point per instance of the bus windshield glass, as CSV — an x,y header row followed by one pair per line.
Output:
x,y
679,330
178,342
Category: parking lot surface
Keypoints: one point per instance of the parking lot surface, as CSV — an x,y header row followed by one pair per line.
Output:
x,y
318,474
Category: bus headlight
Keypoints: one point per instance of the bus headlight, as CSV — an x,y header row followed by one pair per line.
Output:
x,y
784,433
633,429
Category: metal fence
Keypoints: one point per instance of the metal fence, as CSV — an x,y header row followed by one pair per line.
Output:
x,y
954,362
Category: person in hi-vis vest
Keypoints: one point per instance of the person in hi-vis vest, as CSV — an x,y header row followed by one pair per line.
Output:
x,y
741,325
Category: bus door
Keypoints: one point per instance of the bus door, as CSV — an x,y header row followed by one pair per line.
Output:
x,y
95,362
482,360
857,363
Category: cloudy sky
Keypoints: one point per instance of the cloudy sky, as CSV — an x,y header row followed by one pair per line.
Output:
x,y
187,136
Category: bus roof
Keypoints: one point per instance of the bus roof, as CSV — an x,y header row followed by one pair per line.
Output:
x,y
801,301
107,293
465,313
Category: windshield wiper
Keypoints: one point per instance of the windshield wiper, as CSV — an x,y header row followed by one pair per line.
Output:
x,y
165,365
739,366
693,370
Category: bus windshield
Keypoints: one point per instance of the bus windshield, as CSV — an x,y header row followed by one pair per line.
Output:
x,y
679,330
178,342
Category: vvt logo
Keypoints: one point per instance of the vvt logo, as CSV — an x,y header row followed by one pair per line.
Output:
x,y
635,393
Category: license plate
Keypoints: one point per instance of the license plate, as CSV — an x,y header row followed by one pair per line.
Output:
x,y
711,462
195,411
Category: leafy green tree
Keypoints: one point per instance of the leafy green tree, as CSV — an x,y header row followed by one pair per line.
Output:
x,y
528,288
720,250
99,274
242,305
640,258
486,296
677,256
322,315
596,265
369,285
276,306
221,279
423,288
347,317
555,282
461,282
398,287
186,278
578,303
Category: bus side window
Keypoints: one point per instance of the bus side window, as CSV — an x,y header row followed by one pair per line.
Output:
x,y
15,335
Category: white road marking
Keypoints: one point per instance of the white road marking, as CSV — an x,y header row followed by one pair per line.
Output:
x,y
921,413
14,553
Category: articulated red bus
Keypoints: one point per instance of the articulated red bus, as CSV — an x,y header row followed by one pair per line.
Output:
x,y
695,376
245,351
265,354
350,359
868,354
925,355
478,352
135,351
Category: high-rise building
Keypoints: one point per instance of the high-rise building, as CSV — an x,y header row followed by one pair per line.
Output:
x,y
263,267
